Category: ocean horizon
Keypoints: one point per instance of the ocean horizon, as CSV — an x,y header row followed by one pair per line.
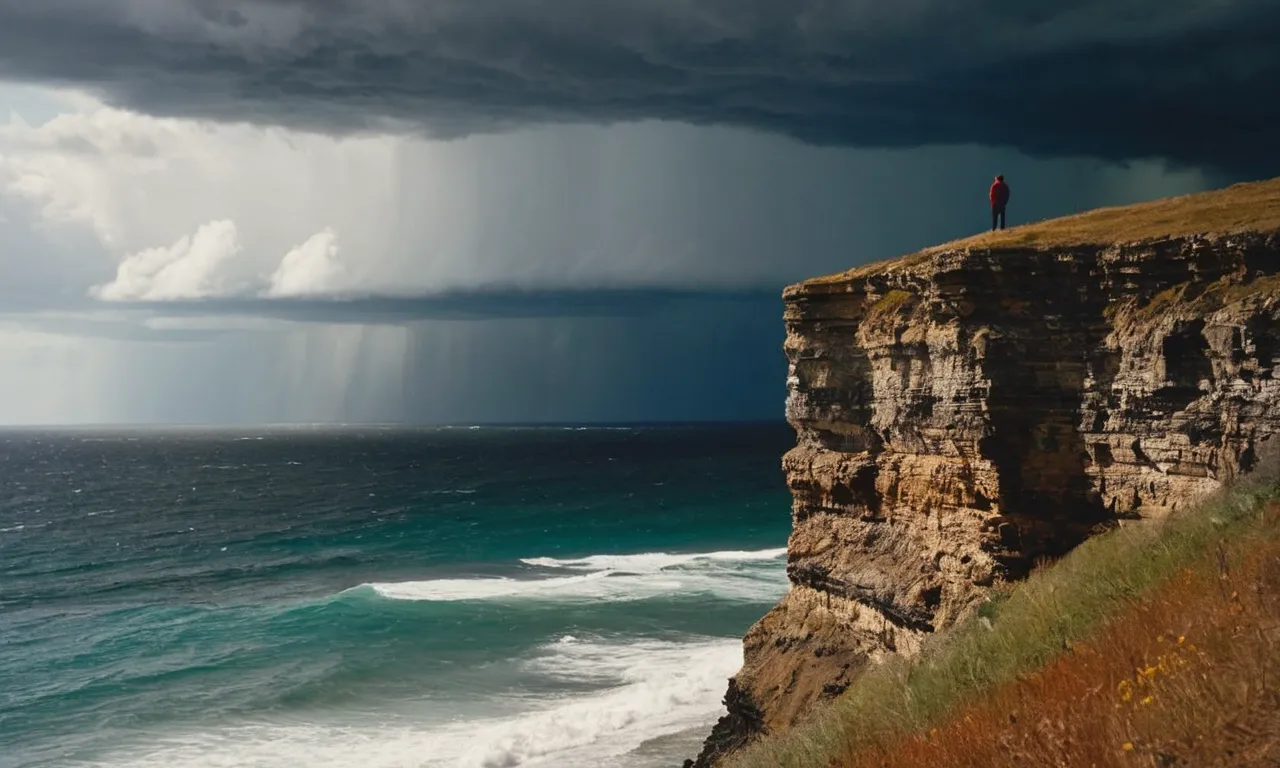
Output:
x,y
325,595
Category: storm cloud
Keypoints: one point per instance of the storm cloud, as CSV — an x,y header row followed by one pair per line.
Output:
x,y
1181,80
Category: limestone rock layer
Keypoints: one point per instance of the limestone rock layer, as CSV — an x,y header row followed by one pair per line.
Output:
x,y
962,415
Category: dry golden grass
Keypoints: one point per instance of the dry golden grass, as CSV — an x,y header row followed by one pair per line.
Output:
x,y
1052,651
1243,207
1253,207
1186,677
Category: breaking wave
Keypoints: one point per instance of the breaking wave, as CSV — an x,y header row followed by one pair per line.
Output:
x,y
729,575
645,690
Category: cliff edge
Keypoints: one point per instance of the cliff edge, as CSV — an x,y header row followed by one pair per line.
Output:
x,y
966,411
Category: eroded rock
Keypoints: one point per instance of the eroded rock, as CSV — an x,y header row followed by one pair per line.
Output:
x,y
961,416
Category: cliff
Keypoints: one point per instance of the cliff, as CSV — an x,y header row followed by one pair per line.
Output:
x,y
964,412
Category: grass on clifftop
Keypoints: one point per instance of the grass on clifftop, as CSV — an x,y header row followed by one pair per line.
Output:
x,y
1154,645
1239,208
1253,207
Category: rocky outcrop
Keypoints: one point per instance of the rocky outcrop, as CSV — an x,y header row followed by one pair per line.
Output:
x,y
964,413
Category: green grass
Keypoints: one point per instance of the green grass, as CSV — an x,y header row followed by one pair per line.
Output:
x,y
1019,630
891,302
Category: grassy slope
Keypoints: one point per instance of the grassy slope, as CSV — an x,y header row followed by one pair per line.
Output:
x,y
1155,644
1251,207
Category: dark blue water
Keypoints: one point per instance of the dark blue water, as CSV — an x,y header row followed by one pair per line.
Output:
x,y
379,597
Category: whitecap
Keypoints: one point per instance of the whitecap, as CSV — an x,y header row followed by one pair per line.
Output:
x,y
653,561
649,690
754,576
659,688
448,590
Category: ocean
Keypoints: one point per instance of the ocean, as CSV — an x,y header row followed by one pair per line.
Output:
x,y
378,597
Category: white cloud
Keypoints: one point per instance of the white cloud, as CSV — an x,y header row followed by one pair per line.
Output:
x,y
134,181
212,263
89,167
150,208
196,267
570,206
310,269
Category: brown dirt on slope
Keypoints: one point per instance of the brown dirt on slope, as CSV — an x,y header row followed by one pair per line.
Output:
x,y
1189,677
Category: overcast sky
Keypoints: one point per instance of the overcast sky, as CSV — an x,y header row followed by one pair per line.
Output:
x,y
244,211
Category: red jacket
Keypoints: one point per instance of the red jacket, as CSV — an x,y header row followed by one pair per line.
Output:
x,y
999,194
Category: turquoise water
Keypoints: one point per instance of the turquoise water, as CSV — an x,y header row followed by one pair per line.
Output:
x,y
378,597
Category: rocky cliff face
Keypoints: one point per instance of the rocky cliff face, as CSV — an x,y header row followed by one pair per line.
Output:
x,y
962,414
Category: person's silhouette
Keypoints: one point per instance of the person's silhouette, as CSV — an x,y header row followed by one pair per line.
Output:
x,y
999,201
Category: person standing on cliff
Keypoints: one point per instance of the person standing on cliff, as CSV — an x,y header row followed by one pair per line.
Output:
x,y
999,199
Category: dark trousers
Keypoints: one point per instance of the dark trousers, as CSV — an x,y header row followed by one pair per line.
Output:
x,y
997,217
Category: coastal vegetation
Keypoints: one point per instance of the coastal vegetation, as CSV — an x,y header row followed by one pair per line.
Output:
x,y
1249,207
1155,644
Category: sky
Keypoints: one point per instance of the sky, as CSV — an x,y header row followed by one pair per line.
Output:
x,y
438,211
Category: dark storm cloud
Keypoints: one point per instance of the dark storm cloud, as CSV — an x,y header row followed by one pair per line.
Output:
x,y
479,304
1186,80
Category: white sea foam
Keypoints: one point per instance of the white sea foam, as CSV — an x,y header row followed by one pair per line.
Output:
x,y
753,575
661,688
449,590
653,561
646,690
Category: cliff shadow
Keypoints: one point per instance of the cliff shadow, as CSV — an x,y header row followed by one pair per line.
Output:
x,y
1037,362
